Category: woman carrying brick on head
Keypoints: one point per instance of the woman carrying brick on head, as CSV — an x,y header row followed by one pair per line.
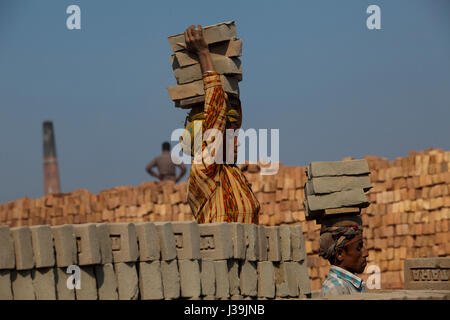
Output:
x,y
218,191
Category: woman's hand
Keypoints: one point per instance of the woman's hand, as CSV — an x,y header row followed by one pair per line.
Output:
x,y
195,41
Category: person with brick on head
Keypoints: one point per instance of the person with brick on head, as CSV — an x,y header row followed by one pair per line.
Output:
x,y
166,167
218,191
341,243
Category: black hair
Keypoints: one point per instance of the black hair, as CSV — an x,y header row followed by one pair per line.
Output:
x,y
166,146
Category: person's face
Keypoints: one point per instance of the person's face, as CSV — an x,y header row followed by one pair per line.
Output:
x,y
353,257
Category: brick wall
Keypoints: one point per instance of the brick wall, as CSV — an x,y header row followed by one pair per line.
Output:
x,y
408,216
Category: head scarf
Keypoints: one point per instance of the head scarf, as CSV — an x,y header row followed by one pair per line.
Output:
x,y
196,119
338,234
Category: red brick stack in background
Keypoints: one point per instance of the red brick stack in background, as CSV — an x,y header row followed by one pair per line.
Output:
x,y
408,217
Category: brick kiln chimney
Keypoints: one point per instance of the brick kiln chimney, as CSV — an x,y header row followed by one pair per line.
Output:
x,y
51,171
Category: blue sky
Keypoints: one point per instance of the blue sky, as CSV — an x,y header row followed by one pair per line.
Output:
x,y
311,69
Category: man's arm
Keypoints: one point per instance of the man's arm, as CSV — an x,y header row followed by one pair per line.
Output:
x,y
215,107
183,171
149,168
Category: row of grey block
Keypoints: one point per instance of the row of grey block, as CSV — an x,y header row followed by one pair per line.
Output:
x,y
157,280
24,248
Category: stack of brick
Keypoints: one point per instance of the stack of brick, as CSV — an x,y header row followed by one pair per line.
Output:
x,y
336,188
409,214
225,50
153,261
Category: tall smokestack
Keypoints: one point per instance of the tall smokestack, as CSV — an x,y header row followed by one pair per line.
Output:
x,y
51,171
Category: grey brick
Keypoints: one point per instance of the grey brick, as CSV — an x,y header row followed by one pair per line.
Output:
x,y
150,280
427,273
266,280
323,185
7,257
62,291
303,279
285,243
337,168
148,241
88,282
187,239
251,242
249,279
239,244
298,243
170,279
106,282
273,243
42,242
233,275
189,278
23,248
5,285
166,241
22,285
208,278
123,242
88,245
65,245
347,198
104,243
127,280
44,283
215,241
262,244
212,34
222,279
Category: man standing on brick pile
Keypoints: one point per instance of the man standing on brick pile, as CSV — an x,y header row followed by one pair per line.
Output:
x,y
217,192
342,245
165,165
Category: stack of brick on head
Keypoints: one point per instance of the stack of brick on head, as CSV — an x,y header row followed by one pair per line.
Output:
x,y
207,69
334,196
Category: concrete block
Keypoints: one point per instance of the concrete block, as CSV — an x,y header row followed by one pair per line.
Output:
x,y
189,278
239,244
65,245
251,242
233,276
215,241
150,280
212,34
273,243
222,65
42,243
337,168
62,291
282,278
347,198
285,243
187,240
304,282
193,89
262,244
106,282
222,279
22,285
208,278
88,282
148,241
7,258
249,279
104,243
124,243
44,283
266,280
127,280
88,245
232,48
298,243
5,285
170,279
23,248
166,241
427,273
323,185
